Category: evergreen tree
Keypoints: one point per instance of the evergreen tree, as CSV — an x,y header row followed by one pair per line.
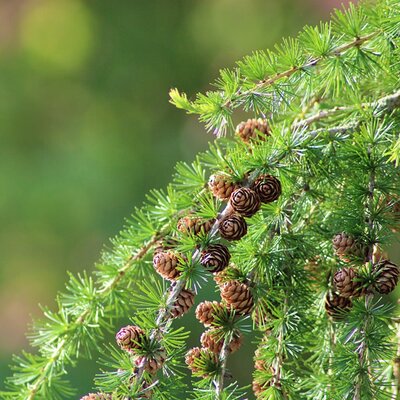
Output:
x,y
292,217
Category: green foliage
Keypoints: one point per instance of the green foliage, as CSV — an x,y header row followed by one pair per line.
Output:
x,y
331,97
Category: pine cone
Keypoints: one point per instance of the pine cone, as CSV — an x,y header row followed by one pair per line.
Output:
x,y
208,310
194,226
347,247
245,201
232,227
336,306
222,186
206,361
230,273
253,129
210,340
153,363
183,303
267,187
238,296
215,258
191,356
166,263
387,276
130,337
346,284
97,396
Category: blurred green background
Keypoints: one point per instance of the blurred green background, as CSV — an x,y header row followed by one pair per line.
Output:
x,y
86,128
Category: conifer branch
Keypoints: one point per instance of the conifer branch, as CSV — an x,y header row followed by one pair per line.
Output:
x,y
59,351
269,81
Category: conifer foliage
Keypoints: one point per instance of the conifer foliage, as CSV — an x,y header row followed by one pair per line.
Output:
x,y
291,217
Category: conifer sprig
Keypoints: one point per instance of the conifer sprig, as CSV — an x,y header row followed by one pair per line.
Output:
x,y
331,98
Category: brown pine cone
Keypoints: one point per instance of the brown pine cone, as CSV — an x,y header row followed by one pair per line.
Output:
x,y
183,303
387,276
336,306
191,356
253,129
232,227
153,363
230,273
346,284
97,396
130,337
245,201
210,340
222,186
166,263
208,310
194,226
267,187
347,247
195,356
215,257
238,296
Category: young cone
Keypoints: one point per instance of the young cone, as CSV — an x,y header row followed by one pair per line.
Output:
x,y
268,188
209,340
215,257
207,311
238,296
166,264
232,227
130,337
346,284
252,129
183,303
153,363
336,306
221,186
387,276
192,225
347,247
245,201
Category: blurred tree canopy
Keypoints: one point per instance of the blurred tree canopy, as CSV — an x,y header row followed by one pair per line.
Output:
x,y
86,128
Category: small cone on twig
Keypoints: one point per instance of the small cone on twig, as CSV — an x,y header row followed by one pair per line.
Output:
x,y
194,226
152,363
252,129
347,247
202,362
386,276
208,310
222,186
215,257
166,264
245,201
130,337
336,306
183,303
238,296
267,187
211,341
346,284
232,227
97,396
230,273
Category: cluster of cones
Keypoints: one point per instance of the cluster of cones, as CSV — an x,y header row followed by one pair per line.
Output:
x,y
237,299
349,282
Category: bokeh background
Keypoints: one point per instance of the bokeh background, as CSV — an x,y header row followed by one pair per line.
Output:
x,y
86,128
